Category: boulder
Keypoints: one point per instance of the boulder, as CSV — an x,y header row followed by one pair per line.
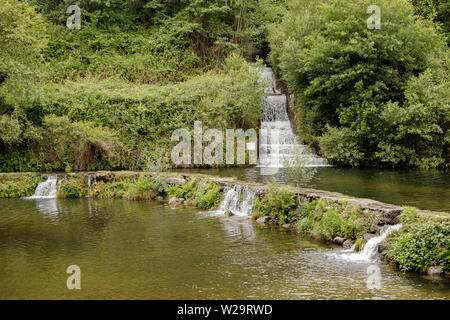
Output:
x,y
375,228
287,226
338,240
173,202
263,220
435,271
175,180
347,244
368,236
383,246
228,213
159,198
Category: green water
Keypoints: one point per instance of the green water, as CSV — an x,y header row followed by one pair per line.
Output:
x,y
429,190
145,250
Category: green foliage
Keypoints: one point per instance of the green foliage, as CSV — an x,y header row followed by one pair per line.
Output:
x,y
367,95
359,244
141,189
131,188
298,169
72,188
17,186
159,185
329,221
207,194
66,144
278,202
421,245
22,36
185,191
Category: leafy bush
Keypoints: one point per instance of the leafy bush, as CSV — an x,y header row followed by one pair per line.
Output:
x,y
328,221
207,194
141,189
184,191
159,185
421,245
72,188
17,186
278,203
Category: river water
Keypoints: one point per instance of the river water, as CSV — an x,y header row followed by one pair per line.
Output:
x,y
146,250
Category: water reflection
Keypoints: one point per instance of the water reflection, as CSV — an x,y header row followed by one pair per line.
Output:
x,y
238,228
48,207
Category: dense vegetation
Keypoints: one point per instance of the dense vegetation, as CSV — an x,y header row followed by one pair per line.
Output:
x,y
109,95
375,97
423,242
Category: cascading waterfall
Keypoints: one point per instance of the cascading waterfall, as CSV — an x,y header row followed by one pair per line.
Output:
x,y
46,189
370,248
238,199
278,145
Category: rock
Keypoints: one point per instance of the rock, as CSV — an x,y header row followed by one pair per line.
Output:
x,y
159,198
391,216
287,226
375,228
228,213
174,180
434,271
263,220
383,246
338,240
347,244
173,202
368,236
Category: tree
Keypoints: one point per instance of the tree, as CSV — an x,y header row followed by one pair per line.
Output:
x,y
345,76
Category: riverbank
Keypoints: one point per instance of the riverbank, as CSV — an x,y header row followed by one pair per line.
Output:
x,y
421,245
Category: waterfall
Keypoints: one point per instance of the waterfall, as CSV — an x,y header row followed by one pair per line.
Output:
x,y
370,248
46,189
238,199
278,145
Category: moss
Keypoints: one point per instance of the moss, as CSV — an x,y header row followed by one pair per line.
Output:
x,y
18,185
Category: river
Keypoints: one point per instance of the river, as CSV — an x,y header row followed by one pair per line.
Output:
x,y
146,250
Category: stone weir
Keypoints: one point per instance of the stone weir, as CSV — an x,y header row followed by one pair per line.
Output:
x,y
382,212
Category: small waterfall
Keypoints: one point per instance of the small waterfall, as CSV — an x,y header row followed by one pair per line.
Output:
x,y
238,199
370,248
278,145
46,189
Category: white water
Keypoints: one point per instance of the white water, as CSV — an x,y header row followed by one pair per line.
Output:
x,y
238,199
278,145
46,189
370,248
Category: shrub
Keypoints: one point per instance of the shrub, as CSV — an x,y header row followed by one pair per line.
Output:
x,y
207,194
185,191
328,221
141,189
278,203
159,185
71,188
421,245
17,186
